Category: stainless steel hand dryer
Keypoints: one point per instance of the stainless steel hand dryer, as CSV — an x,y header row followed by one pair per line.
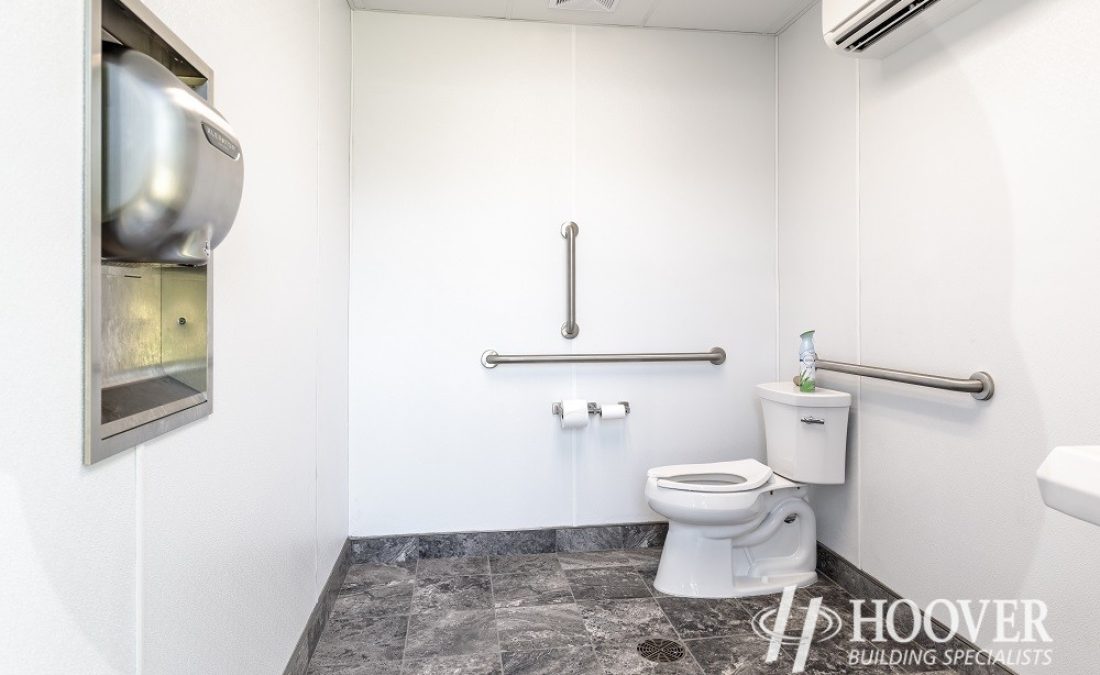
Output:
x,y
172,166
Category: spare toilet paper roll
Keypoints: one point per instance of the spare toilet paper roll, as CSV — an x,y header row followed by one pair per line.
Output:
x,y
574,413
613,411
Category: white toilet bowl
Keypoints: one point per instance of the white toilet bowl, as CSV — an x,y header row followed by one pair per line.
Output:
x,y
724,536
739,528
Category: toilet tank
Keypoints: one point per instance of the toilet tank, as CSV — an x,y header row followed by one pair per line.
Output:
x,y
806,433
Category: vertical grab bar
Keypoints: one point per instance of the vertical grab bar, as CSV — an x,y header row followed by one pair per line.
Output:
x,y
570,329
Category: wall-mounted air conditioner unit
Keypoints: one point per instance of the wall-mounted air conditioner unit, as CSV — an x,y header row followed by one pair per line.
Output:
x,y
875,28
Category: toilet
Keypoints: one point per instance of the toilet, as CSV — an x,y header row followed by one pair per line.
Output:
x,y
744,528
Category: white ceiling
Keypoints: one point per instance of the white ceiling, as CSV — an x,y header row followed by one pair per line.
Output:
x,y
746,16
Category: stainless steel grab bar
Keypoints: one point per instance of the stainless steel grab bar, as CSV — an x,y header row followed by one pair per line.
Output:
x,y
569,231
491,359
979,385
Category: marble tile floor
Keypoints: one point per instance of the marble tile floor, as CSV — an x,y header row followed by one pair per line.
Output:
x,y
550,614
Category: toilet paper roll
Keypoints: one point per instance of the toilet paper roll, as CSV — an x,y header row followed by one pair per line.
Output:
x,y
613,411
574,413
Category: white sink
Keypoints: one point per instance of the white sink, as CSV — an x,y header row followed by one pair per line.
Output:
x,y
1069,480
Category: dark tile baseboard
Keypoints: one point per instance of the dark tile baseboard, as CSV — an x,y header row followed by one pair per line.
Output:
x,y
299,658
859,584
401,548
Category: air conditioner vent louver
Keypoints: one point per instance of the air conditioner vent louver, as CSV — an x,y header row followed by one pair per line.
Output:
x,y
882,23
585,5
878,27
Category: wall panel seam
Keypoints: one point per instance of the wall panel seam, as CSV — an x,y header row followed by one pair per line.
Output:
x,y
859,325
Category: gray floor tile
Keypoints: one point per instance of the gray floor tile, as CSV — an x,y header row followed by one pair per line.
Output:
x,y
757,603
826,622
911,657
352,666
538,563
648,576
389,600
839,655
932,657
353,640
527,590
453,593
600,584
643,558
834,597
980,669
544,627
360,577
432,569
623,659
592,560
469,664
833,658
700,617
823,585
740,655
564,661
451,632
618,620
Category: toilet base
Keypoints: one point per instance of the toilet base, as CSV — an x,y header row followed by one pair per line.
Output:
x,y
705,561
743,587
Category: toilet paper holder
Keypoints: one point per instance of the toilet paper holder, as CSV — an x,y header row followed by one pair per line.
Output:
x,y
593,408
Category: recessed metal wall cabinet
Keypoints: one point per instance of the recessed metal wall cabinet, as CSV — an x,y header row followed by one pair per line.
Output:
x,y
165,172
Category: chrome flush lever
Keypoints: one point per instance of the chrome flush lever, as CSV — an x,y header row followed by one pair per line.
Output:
x,y
812,420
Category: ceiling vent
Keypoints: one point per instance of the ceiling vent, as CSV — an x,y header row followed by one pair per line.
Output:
x,y
876,28
585,5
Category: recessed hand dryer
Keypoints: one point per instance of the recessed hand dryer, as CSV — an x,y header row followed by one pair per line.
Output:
x,y
172,166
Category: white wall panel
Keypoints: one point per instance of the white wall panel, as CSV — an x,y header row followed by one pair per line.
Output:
x,y
67,558
333,269
205,550
473,141
978,240
241,512
818,239
461,162
675,185
975,251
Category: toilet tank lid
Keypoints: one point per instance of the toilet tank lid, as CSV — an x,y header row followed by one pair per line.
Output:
x,y
788,393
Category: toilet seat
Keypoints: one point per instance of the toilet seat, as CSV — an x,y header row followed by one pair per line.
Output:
x,y
738,476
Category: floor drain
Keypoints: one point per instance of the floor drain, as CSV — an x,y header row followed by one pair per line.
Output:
x,y
661,651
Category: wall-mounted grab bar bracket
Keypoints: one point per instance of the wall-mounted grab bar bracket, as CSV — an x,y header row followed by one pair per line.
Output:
x,y
986,392
569,232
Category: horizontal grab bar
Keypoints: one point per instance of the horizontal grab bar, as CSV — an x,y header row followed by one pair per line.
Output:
x,y
979,385
491,359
